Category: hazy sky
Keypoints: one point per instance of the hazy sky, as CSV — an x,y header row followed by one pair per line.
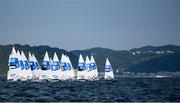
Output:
x,y
81,24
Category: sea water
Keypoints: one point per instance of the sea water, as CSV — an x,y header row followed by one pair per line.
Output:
x,y
120,89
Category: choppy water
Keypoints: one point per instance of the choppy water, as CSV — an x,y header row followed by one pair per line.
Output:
x,y
120,89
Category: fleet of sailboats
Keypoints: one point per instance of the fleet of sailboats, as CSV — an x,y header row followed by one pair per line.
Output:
x,y
23,69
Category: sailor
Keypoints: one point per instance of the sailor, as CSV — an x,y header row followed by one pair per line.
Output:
x,y
43,67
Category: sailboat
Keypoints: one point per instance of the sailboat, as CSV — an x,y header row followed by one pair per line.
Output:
x,y
34,65
21,66
46,70
64,68
94,68
81,68
26,70
71,69
89,71
108,70
38,68
14,67
55,68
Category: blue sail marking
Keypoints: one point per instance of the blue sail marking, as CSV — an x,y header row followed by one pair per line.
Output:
x,y
81,67
88,66
26,65
93,66
14,62
108,68
55,66
64,66
69,66
46,65
32,65
21,64
37,65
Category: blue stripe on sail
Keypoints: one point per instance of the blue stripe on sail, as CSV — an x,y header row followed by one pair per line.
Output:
x,y
55,66
26,65
64,66
81,67
32,65
88,67
93,66
108,68
69,66
37,65
46,65
21,64
14,62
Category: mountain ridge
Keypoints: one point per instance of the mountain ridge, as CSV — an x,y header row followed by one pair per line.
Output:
x,y
133,60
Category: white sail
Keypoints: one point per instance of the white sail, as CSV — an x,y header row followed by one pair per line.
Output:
x,y
108,70
50,61
94,68
21,70
46,71
67,71
62,76
81,68
89,72
24,73
14,67
67,68
71,69
55,68
27,70
34,66
64,68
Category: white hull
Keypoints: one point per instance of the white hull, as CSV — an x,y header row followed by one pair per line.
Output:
x,y
66,75
24,75
45,75
94,74
109,75
14,74
56,75
72,74
82,75
36,74
89,75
